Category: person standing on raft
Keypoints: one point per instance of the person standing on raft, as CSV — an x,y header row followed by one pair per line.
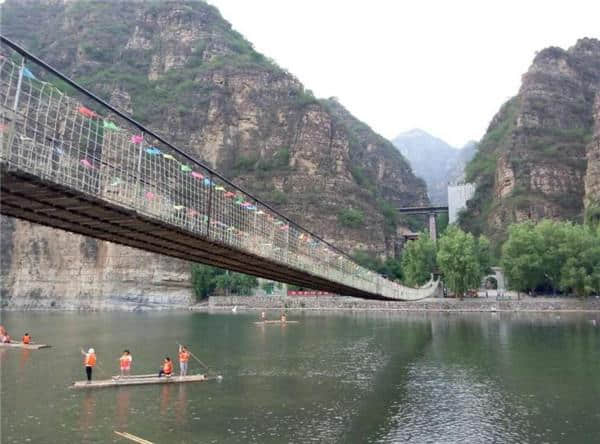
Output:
x,y
89,362
125,363
184,357
167,368
26,339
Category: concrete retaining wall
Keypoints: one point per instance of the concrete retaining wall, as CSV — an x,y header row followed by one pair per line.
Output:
x,y
348,303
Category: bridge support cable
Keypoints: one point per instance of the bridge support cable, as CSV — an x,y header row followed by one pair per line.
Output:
x,y
77,163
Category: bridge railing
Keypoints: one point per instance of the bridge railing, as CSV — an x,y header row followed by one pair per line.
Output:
x,y
68,136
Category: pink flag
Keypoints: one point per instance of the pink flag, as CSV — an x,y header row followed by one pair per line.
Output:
x,y
137,138
150,195
197,175
86,163
87,112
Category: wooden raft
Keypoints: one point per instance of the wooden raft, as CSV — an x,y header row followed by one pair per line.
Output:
x,y
140,380
276,322
25,346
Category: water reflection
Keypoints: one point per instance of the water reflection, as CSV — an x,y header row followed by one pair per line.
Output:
x,y
87,416
122,411
181,404
164,398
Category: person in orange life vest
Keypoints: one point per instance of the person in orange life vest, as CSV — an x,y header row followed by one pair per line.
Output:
x,y
26,338
125,363
184,357
167,368
89,361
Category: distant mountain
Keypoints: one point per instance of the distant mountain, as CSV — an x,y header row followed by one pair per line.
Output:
x,y
434,160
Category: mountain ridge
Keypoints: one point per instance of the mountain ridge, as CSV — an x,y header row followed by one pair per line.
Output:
x,y
434,160
540,157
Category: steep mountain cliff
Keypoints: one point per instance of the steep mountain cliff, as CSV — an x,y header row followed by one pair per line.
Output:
x,y
540,157
432,159
178,67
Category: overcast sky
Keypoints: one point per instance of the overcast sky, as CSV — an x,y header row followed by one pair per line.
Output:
x,y
442,66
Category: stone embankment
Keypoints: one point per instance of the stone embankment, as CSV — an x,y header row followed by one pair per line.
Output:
x,y
480,304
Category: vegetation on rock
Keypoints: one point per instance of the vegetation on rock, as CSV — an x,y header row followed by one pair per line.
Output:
x,y
207,280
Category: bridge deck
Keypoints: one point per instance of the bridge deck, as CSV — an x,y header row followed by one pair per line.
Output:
x,y
27,197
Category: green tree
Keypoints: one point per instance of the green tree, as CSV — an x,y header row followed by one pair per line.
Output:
x,y
484,255
581,248
203,280
351,217
390,267
418,260
206,280
458,258
552,238
522,257
268,286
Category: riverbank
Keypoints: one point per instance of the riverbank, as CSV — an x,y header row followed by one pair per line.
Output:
x,y
480,304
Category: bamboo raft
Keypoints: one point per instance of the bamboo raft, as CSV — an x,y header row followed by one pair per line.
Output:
x,y
25,346
117,381
276,322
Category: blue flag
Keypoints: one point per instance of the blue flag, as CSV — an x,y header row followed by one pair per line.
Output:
x,y
28,74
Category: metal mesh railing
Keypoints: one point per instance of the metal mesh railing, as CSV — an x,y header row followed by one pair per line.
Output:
x,y
79,142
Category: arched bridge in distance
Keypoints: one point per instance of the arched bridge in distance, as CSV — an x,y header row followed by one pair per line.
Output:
x,y
74,162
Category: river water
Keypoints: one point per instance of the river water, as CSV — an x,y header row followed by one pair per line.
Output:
x,y
332,378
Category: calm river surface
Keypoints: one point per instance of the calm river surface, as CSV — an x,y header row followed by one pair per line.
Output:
x,y
332,378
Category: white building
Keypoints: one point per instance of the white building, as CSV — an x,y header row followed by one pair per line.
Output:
x,y
458,195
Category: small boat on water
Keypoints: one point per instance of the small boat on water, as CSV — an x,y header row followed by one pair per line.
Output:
x,y
117,381
25,346
272,322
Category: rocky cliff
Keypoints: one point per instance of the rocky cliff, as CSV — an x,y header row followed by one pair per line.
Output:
x,y
178,67
435,161
540,156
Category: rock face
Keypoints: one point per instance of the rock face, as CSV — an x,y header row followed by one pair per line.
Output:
x,y
435,161
178,67
540,156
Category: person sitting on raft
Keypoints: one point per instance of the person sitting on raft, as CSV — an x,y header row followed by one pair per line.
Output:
x,y
125,363
89,361
184,357
167,368
283,317
26,338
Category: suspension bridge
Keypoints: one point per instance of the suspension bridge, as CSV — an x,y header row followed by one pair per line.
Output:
x,y
74,162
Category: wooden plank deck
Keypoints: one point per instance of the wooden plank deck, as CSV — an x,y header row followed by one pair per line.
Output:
x,y
141,380
25,346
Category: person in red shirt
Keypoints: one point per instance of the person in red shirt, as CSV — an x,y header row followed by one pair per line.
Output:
x,y
184,357
26,338
167,368
125,363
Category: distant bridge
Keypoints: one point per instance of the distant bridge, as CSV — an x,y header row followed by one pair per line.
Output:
x,y
431,211
78,164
